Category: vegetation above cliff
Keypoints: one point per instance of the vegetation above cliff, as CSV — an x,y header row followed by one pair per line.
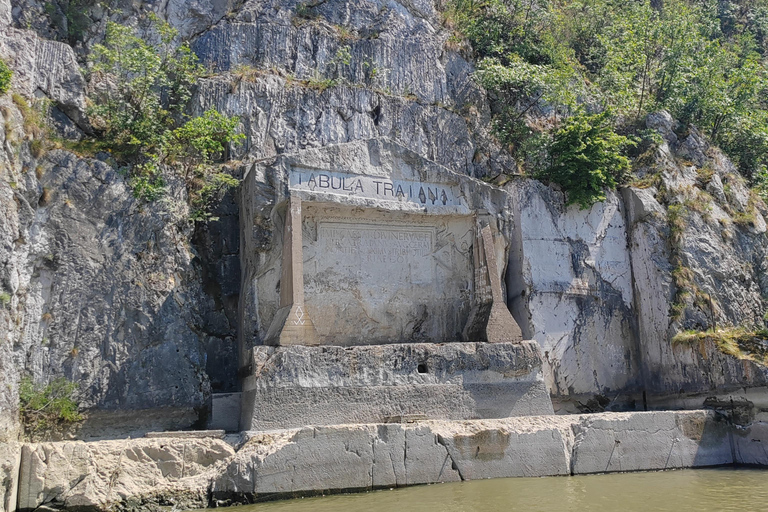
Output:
x,y
702,60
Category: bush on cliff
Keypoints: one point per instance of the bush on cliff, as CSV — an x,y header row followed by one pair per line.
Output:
x,y
145,89
48,410
585,159
5,77
703,61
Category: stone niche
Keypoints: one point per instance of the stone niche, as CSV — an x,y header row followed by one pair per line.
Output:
x,y
367,245
373,277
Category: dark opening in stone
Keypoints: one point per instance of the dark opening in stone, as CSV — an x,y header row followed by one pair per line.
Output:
x,y
422,368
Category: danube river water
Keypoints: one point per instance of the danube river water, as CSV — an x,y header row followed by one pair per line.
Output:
x,y
699,490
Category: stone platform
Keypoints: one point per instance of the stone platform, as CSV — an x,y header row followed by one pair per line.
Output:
x,y
298,385
152,473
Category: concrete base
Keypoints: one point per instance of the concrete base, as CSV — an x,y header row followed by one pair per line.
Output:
x,y
297,386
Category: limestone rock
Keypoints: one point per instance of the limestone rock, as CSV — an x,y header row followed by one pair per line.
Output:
x,y
643,441
295,386
47,67
127,474
102,474
576,284
104,290
10,458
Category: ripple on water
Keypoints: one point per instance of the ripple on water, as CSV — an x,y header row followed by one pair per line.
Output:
x,y
700,490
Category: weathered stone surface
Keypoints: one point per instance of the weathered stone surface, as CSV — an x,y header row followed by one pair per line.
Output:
x,y
577,287
225,411
47,67
119,475
10,458
600,310
295,386
721,268
501,326
103,290
511,447
749,444
390,253
105,473
650,441
187,434
401,82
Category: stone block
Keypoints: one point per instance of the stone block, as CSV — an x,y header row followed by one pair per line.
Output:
x,y
319,459
613,442
749,444
225,411
297,386
426,460
99,475
505,448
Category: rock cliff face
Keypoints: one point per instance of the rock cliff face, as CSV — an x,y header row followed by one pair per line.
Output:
x,y
607,288
140,307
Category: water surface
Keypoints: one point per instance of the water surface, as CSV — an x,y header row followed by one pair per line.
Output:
x,y
699,490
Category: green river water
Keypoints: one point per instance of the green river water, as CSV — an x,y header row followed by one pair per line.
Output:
x,y
699,490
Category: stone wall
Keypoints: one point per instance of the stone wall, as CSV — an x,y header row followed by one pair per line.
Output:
x,y
193,472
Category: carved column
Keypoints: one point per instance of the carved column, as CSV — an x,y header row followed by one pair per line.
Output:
x,y
292,325
501,326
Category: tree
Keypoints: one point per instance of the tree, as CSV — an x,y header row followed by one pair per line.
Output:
x,y
148,86
585,159
143,121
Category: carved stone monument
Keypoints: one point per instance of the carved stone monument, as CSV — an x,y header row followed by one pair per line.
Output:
x,y
373,290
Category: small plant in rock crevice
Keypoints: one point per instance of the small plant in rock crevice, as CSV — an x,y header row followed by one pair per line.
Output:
x,y
740,342
5,77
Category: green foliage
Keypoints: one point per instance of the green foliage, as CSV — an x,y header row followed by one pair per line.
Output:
x,y
203,138
152,84
702,60
142,116
5,77
5,299
740,342
196,145
586,158
48,410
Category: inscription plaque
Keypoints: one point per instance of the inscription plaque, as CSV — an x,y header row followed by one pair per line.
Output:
x,y
373,277
363,248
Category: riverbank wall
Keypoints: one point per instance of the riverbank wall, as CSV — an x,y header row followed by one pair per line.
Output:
x,y
185,470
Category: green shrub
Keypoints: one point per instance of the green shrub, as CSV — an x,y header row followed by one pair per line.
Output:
x,y
699,60
5,77
585,159
152,85
48,410
143,120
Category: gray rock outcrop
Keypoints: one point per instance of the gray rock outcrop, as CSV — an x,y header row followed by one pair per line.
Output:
x,y
141,309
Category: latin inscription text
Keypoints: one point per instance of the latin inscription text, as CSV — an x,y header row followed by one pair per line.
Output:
x,y
373,187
